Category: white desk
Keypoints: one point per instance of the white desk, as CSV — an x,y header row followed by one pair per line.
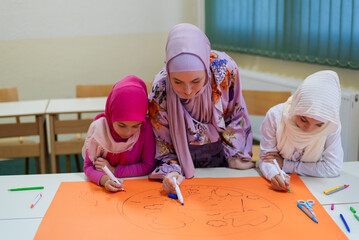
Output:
x,y
76,105
349,175
23,108
36,108
15,209
57,126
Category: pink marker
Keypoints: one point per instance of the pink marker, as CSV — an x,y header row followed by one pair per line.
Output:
x,y
332,206
38,197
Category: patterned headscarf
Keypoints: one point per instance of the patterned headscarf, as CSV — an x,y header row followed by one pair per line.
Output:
x,y
317,97
187,39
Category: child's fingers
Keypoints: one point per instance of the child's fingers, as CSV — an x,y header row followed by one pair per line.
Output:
x,y
266,159
113,186
287,181
278,183
109,187
274,183
99,166
100,159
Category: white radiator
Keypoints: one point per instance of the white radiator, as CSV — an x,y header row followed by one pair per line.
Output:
x,y
349,109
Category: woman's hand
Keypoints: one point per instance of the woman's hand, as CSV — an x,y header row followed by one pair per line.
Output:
x,y
111,185
101,162
168,184
273,155
278,183
241,164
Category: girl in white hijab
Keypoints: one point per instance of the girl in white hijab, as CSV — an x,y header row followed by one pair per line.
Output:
x,y
303,134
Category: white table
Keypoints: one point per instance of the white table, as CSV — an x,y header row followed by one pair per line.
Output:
x,y
23,108
36,108
349,175
15,209
78,106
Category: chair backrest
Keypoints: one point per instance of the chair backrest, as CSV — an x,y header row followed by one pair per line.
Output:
x,y
83,91
9,95
149,86
259,102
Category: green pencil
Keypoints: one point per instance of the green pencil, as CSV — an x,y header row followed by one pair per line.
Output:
x,y
26,188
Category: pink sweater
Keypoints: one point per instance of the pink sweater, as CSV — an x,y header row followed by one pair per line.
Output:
x,y
137,162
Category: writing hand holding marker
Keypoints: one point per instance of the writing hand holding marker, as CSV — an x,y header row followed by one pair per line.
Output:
x,y
168,183
178,191
110,182
279,182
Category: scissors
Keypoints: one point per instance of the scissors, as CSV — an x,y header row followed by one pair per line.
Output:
x,y
308,204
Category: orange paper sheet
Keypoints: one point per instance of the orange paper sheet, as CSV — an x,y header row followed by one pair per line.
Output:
x,y
214,208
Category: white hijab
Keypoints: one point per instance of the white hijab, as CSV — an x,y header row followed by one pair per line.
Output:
x,y
317,97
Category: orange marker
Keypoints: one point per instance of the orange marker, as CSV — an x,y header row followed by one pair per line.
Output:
x,y
38,197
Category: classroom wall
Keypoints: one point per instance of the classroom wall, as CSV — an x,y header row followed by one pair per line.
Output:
x,y
349,79
47,47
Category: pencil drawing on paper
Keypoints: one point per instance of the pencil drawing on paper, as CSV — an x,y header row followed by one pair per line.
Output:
x,y
211,210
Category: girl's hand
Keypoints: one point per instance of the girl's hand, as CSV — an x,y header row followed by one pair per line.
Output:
x,y
168,184
273,155
279,184
110,185
101,162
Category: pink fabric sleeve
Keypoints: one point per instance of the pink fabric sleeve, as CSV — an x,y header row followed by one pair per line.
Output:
x,y
146,163
91,172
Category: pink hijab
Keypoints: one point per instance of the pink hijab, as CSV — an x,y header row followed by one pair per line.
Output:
x,y
127,101
187,38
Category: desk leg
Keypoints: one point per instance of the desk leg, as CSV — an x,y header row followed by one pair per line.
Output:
x,y
52,142
43,145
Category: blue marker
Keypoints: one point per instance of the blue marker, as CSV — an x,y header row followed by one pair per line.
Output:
x,y
345,223
306,212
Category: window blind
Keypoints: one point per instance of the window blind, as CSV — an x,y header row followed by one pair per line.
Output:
x,y
313,31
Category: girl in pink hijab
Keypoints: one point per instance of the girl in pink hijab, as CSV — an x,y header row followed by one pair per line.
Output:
x,y
122,137
197,110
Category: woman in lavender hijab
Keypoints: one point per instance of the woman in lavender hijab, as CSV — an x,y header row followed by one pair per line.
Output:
x,y
197,110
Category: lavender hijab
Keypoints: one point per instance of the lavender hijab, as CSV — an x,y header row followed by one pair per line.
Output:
x,y
187,38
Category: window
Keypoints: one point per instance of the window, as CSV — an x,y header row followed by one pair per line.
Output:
x,y
314,31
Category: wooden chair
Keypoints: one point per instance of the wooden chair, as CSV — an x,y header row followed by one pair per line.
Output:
x,y
83,91
149,86
14,147
258,103
74,146
9,95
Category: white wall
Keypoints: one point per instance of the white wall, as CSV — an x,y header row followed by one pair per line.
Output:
x,y
47,47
